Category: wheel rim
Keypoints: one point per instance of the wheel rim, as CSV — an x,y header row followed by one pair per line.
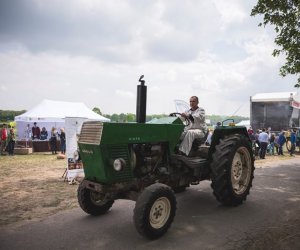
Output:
x,y
160,212
241,170
98,199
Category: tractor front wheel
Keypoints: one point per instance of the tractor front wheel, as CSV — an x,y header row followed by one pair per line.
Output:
x,y
232,170
154,211
92,202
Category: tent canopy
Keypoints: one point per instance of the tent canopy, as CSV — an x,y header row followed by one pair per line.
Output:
x,y
51,114
56,111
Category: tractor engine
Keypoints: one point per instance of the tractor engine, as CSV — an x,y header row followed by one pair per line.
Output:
x,y
148,158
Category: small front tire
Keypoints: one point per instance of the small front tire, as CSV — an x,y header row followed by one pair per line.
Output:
x,y
154,211
92,202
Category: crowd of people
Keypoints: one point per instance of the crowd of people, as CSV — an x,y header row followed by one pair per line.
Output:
x,y
269,142
35,133
8,138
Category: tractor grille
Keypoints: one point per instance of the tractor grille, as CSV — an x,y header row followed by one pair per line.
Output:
x,y
121,151
91,132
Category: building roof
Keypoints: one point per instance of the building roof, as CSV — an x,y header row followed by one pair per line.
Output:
x,y
272,97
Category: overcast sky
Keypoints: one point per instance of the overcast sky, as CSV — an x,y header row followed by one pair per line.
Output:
x,y
94,51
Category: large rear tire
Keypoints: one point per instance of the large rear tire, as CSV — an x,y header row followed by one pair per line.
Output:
x,y
232,170
154,211
91,202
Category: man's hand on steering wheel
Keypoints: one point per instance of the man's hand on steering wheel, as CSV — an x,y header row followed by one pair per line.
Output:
x,y
184,115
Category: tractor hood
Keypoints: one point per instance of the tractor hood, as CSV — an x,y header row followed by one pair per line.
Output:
x,y
167,129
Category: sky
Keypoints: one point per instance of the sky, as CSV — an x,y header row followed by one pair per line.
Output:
x,y
94,51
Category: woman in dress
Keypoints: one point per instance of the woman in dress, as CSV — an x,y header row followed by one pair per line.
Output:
x,y
53,140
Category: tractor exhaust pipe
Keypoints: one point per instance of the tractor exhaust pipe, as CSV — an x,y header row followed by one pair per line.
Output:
x,y
141,101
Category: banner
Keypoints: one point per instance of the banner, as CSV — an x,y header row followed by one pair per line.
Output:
x,y
295,104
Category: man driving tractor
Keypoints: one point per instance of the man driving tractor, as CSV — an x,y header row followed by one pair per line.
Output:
x,y
197,127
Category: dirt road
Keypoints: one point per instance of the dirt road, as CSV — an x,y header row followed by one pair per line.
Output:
x,y
269,218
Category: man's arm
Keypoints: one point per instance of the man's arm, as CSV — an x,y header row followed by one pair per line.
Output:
x,y
198,116
198,119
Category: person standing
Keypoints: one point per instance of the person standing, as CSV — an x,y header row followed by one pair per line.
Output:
x,y
263,139
11,139
272,144
251,133
44,134
257,144
53,140
276,144
4,135
36,132
62,141
293,142
281,141
27,134
197,127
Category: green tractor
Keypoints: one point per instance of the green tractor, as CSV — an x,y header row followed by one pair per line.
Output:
x,y
138,161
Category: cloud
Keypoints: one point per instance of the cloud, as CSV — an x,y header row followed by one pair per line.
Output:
x,y
160,31
231,12
3,88
65,26
94,51
127,94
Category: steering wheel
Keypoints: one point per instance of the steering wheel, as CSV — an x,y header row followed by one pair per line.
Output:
x,y
176,114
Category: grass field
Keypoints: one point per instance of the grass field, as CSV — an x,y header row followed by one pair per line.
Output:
x,y
32,187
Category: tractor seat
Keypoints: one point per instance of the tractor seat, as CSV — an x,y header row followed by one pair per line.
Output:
x,y
200,141
199,148
196,146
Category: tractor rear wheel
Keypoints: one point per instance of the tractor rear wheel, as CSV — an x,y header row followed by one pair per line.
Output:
x,y
92,202
154,211
232,170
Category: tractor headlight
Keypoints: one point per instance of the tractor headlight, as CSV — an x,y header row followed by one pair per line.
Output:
x,y
119,164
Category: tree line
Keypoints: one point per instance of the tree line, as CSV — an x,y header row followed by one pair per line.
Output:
x,y
129,117
9,115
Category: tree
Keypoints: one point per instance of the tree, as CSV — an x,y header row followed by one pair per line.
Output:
x,y
130,117
97,110
9,115
122,117
114,118
285,16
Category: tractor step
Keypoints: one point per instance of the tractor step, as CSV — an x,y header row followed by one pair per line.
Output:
x,y
191,162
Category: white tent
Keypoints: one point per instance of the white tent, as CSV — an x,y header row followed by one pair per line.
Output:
x,y
50,114
245,123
